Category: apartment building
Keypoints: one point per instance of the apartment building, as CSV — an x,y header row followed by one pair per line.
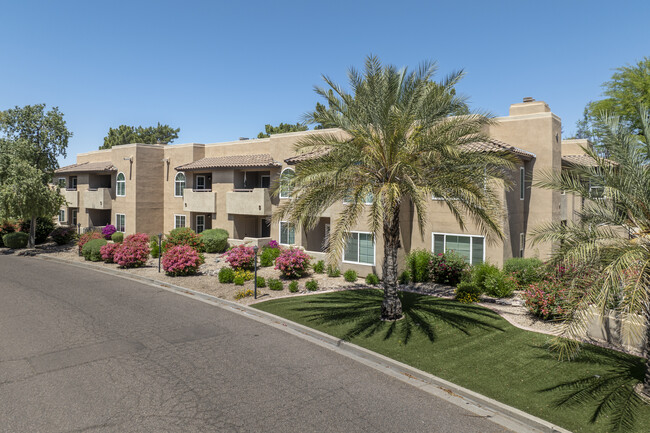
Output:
x,y
156,188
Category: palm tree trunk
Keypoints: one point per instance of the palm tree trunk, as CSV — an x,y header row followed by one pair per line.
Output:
x,y
391,307
32,233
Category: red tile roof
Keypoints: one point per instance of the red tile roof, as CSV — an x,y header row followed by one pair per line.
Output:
x,y
233,161
88,167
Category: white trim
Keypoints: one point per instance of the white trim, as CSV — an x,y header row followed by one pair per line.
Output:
x,y
280,232
522,183
117,222
73,219
374,250
61,215
281,173
184,183
471,247
117,188
184,220
196,226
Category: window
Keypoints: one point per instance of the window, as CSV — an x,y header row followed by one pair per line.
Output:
x,y
61,182
179,185
120,185
287,233
360,248
286,180
472,248
200,223
265,181
73,182
74,217
179,221
120,222
522,244
200,182
61,215
522,183
596,190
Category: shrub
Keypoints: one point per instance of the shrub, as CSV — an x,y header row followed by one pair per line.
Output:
x,y
292,262
88,236
404,277
108,251
238,280
261,282
153,246
417,262
133,252
268,256
524,271
311,285
350,276
546,299
499,285
226,275
215,240
372,279
6,227
140,238
333,271
183,236
117,237
108,231
244,293
246,275
240,257
181,260
44,226
293,286
92,249
275,284
15,240
481,271
319,267
447,268
63,235
273,244
467,292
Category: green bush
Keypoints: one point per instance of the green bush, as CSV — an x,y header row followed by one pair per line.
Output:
x,y
226,275
117,237
268,256
467,292
183,236
92,249
63,235
311,285
6,227
15,240
350,276
215,240
261,282
491,281
293,286
404,277
524,271
333,271
372,279
417,262
447,268
153,247
480,272
275,284
239,280
319,267
44,226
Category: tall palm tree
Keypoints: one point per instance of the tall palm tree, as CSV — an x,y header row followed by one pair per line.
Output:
x,y
399,143
612,233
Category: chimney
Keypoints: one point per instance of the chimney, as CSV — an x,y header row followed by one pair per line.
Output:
x,y
529,99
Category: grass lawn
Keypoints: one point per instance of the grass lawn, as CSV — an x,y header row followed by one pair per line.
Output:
x,y
477,349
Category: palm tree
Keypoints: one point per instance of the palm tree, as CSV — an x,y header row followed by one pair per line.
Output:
x,y
398,143
612,233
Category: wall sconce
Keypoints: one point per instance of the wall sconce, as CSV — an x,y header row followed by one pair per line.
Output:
x,y
128,158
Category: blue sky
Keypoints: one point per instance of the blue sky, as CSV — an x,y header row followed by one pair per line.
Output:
x,y
221,70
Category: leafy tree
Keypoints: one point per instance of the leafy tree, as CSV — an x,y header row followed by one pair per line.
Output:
x,y
400,147
124,134
281,128
613,233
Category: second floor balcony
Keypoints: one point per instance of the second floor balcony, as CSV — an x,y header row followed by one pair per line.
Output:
x,y
71,196
98,198
199,200
255,201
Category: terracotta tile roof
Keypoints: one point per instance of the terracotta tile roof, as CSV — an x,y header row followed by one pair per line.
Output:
x,y
493,145
306,156
260,160
584,160
87,167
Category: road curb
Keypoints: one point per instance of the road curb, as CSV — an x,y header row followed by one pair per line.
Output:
x,y
481,405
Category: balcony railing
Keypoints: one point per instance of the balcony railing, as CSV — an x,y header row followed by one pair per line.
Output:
x,y
199,200
249,202
98,198
71,197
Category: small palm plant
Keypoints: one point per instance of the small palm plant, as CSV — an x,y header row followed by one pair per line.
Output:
x,y
400,141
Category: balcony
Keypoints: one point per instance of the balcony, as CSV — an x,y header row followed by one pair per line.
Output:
x,y
249,202
199,200
71,196
99,198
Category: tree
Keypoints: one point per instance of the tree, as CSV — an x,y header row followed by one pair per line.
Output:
x,y
399,146
35,138
612,234
281,128
124,134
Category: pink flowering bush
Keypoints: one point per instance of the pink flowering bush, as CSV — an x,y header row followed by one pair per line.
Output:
x,y
108,231
133,251
181,260
273,244
447,268
141,238
546,299
292,262
108,251
240,257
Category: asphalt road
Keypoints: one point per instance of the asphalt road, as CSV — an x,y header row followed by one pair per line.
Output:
x,y
82,351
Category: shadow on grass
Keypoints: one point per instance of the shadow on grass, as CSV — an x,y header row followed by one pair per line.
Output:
x,y
359,310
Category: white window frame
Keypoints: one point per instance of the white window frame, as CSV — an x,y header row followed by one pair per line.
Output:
x,y
196,182
176,182
117,185
117,222
374,249
61,215
280,232
281,174
74,216
73,182
522,183
176,226
197,223
471,247
522,244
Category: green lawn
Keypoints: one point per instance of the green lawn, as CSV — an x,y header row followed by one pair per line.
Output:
x,y
475,348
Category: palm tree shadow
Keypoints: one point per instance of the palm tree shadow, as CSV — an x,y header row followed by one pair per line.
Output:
x,y
359,310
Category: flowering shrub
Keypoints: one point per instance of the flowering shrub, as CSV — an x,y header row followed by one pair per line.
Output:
x,y
292,262
84,238
107,252
6,227
244,293
467,293
546,299
183,236
240,257
181,260
108,231
447,268
133,251
273,244
140,238
63,235
246,275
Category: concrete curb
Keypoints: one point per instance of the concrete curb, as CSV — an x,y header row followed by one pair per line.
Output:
x,y
481,405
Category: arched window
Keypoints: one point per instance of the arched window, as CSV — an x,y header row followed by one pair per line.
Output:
x,y
286,182
179,185
121,185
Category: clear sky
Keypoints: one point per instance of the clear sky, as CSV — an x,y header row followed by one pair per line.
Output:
x,y
220,70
